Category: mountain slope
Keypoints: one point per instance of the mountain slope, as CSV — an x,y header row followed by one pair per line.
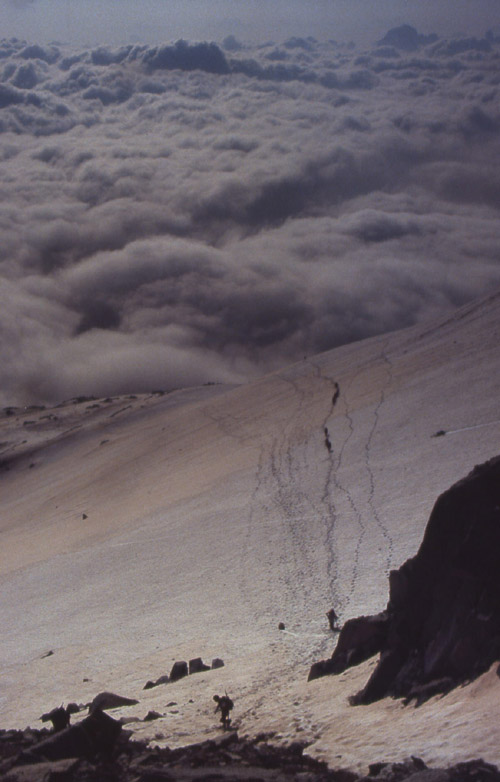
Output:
x,y
142,530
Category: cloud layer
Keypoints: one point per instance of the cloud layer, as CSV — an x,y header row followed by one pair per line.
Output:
x,y
192,212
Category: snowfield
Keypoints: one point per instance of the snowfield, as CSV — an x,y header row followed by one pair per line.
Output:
x,y
141,530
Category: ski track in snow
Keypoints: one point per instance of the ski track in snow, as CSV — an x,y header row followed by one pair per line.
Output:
x,y
329,510
293,507
279,506
470,428
368,450
334,485
277,514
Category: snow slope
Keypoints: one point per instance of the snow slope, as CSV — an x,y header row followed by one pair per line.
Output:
x,y
140,530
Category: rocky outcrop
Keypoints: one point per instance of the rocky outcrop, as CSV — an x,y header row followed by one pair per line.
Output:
x,y
181,668
359,640
24,758
109,700
442,622
59,717
178,671
161,680
96,735
196,665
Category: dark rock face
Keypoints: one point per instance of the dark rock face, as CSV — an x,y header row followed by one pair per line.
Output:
x,y
96,734
442,623
359,640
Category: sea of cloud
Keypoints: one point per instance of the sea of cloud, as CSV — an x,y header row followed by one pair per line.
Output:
x,y
195,212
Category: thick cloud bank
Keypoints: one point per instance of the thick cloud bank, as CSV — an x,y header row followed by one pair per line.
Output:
x,y
193,212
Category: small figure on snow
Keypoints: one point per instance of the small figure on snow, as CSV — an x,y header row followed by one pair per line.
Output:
x,y
224,705
332,620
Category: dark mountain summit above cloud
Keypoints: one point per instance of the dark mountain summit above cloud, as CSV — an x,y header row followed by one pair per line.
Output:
x,y
187,57
407,38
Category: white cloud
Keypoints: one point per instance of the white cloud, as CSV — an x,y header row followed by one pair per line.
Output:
x,y
161,226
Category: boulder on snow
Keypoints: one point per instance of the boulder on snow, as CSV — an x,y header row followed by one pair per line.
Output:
x,y
196,665
153,715
179,670
442,622
161,680
109,700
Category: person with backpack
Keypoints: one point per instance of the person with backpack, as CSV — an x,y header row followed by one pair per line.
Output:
x,y
224,705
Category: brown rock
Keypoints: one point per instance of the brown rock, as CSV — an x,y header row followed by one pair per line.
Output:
x,y
179,670
197,666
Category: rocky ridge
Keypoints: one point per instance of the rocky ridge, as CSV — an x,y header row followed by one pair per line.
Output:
x,y
441,626
97,750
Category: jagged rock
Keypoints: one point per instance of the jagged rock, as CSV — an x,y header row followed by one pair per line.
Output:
x,y
443,616
394,772
359,640
161,680
196,665
179,670
226,758
96,734
108,700
43,772
217,663
474,771
59,718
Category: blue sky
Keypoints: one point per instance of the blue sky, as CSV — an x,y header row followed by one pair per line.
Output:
x,y
87,22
